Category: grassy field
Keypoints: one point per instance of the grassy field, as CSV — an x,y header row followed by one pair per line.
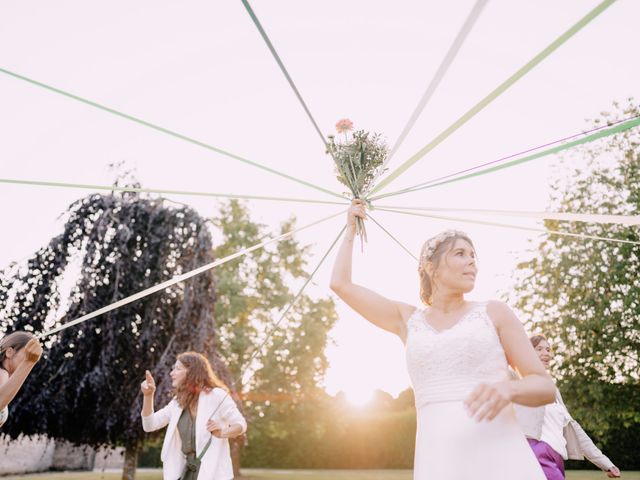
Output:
x,y
254,474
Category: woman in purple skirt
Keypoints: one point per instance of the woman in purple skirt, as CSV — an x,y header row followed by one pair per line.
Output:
x,y
554,435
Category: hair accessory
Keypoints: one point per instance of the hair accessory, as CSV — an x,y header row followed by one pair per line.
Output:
x,y
431,245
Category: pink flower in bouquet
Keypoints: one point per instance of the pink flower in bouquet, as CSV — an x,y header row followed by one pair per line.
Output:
x,y
343,126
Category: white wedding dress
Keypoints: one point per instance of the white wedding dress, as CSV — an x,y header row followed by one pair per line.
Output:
x,y
445,366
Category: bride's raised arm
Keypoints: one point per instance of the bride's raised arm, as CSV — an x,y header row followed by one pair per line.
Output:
x,y
381,311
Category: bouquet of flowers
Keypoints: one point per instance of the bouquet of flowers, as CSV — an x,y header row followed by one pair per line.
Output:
x,y
358,156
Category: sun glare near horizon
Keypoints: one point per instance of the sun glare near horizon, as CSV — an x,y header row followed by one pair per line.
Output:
x,y
359,397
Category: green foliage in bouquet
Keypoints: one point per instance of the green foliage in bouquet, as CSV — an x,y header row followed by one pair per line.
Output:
x,y
358,158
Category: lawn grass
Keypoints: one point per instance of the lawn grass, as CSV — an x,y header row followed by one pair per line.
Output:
x,y
258,474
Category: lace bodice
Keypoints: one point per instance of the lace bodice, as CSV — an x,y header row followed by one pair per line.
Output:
x,y
445,366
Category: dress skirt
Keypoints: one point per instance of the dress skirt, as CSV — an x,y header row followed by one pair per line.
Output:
x,y
452,446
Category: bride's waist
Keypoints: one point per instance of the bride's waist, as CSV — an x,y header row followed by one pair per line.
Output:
x,y
449,388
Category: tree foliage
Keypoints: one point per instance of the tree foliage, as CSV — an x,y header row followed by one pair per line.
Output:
x,y
584,294
330,433
86,388
251,297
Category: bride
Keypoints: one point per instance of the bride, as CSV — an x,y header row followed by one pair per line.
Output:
x,y
457,353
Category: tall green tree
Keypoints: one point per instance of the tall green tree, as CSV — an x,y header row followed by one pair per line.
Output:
x,y
86,388
251,296
584,294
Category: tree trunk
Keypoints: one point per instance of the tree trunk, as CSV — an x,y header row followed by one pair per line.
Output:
x,y
236,445
130,463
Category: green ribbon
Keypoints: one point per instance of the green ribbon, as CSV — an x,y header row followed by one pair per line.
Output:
x,y
158,190
392,237
590,138
282,316
265,37
437,78
494,94
515,227
180,278
167,132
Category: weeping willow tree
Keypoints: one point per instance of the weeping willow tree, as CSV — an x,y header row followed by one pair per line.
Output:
x,y
584,294
86,388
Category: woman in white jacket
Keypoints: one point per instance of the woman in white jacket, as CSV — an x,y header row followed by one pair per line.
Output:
x,y
200,419
554,435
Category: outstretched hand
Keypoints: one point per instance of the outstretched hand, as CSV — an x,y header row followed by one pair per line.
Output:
x,y
148,387
33,351
613,472
487,400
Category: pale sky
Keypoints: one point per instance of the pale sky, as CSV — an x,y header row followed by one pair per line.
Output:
x,y
201,69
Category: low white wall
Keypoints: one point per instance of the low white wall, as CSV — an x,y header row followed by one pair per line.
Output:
x,y
39,454
67,456
109,458
26,454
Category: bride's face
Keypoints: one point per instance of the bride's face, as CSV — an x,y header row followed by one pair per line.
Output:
x,y
457,270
